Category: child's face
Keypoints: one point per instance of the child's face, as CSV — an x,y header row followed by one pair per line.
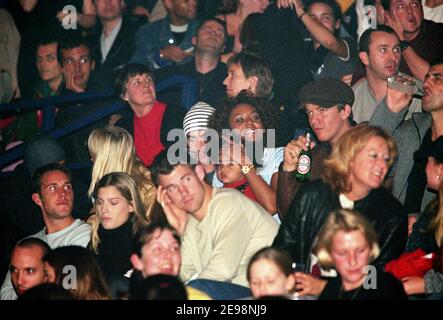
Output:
x,y
229,172
267,279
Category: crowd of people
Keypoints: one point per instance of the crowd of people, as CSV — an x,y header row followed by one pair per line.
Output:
x,y
168,201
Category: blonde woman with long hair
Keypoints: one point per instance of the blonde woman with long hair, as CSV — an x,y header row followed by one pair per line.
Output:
x,y
112,150
119,215
352,179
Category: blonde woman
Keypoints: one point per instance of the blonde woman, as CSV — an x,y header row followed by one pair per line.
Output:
x,y
112,150
352,179
120,214
348,243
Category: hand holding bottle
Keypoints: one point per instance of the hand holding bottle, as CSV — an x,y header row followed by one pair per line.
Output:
x,y
292,152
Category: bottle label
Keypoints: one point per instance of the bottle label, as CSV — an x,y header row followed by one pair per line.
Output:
x,y
304,164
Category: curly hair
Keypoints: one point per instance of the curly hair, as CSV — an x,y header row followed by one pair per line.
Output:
x,y
220,118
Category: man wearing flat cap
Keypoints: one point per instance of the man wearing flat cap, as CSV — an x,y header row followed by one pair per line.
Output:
x,y
327,102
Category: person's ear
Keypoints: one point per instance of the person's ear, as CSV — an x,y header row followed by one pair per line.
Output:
x,y
136,262
253,80
200,172
364,58
37,199
346,112
194,40
93,65
131,206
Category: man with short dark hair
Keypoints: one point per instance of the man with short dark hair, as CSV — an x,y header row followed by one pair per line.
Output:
x,y
27,265
167,41
206,67
53,194
221,228
380,52
75,57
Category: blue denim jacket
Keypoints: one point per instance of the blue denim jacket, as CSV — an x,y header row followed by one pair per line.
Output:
x,y
152,37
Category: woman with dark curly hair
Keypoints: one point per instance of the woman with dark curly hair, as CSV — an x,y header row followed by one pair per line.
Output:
x,y
252,120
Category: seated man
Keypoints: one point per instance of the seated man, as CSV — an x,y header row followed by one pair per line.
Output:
x,y
53,194
206,67
167,41
221,228
27,265
77,60
113,39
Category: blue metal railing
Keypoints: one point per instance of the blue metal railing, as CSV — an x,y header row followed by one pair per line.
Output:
x,y
47,105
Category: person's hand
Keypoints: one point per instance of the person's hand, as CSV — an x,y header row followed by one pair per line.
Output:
x,y
70,82
174,53
234,152
413,285
412,219
284,4
292,152
347,78
176,217
305,284
391,20
396,100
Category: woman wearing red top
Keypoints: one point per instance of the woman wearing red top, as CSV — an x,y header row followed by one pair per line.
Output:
x,y
150,120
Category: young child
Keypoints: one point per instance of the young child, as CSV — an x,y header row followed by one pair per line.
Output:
x,y
270,273
231,176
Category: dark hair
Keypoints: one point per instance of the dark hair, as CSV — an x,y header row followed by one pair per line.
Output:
x,y
126,73
220,118
146,234
37,177
279,257
46,291
249,34
366,37
90,283
162,165
436,61
34,242
254,65
330,3
159,287
227,6
47,39
219,21
71,41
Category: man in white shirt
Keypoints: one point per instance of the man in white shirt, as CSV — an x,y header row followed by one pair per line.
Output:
x,y
53,194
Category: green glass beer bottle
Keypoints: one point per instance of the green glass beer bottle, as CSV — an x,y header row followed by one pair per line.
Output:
x,y
303,172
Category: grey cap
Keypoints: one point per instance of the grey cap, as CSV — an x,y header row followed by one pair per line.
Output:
x,y
40,151
326,93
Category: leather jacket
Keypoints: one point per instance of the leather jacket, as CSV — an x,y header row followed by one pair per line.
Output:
x,y
315,200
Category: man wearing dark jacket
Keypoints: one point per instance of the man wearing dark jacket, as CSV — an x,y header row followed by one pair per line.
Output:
x,y
113,39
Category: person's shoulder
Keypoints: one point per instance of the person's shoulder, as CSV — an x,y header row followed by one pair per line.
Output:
x,y
360,85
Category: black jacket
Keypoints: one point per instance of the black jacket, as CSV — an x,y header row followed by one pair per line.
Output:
x,y
315,200
119,54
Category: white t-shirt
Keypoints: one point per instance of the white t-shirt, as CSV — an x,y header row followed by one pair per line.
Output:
x,y
77,234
